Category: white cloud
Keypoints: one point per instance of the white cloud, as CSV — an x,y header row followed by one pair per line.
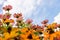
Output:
x,y
24,6
57,18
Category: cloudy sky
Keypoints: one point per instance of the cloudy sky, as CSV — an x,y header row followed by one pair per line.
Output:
x,y
37,10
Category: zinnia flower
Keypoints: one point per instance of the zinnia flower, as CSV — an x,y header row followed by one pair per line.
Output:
x,y
20,18
58,25
28,21
7,7
33,26
17,15
45,21
7,16
8,21
1,16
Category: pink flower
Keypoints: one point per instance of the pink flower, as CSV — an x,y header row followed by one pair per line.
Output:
x,y
1,16
38,26
17,15
28,21
58,25
7,7
45,21
20,18
33,26
7,16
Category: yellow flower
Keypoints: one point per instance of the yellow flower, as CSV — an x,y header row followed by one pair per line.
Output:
x,y
1,38
8,20
49,26
6,35
52,36
11,20
23,36
35,36
46,36
15,29
57,33
28,34
53,25
13,34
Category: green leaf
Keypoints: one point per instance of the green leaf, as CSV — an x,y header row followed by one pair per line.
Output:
x,y
19,32
1,31
36,33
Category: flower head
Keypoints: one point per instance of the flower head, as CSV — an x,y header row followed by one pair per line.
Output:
x,y
17,15
58,25
11,21
7,16
45,21
7,7
58,37
20,18
28,21
1,16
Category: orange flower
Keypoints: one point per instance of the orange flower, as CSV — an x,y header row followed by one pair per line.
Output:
x,y
1,38
46,36
8,21
54,25
6,35
52,36
11,21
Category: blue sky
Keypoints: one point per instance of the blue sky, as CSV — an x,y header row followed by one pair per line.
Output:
x,y
47,9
